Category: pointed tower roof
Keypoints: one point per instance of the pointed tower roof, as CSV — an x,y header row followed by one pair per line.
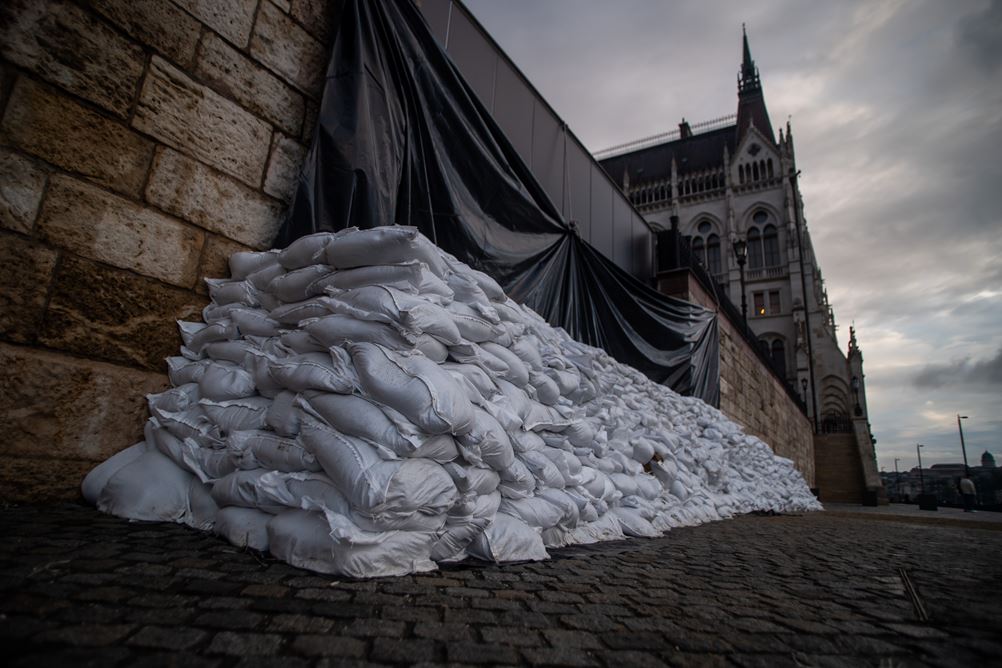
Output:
x,y
751,101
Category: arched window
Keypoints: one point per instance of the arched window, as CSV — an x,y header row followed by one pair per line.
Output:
x,y
699,250
770,246
754,248
741,174
755,171
778,354
770,167
713,254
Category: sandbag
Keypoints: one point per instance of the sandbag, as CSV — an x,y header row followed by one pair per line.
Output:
x,y
415,386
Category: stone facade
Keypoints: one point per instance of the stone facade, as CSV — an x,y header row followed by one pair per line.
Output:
x,y
733,180
751,393
141,143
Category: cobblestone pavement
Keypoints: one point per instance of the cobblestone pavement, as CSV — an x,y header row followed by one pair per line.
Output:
x,y
83,589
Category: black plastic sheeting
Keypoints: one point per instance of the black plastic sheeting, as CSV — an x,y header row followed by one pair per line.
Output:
x,y
402,139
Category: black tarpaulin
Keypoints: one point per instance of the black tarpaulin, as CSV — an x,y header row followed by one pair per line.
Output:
x,y
402,139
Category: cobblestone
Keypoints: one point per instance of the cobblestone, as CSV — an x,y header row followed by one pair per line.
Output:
x,y
83,589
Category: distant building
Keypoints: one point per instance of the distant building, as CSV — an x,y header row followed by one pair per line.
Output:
x,y
732,179
987,460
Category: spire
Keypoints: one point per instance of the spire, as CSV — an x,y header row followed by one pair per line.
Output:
x,y
751,102
749,73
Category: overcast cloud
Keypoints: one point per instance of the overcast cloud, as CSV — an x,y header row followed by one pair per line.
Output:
x,y
897,116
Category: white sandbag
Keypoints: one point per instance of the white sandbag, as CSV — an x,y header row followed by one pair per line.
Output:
x,y
197,335
266,450
202,509
472,479
305,251
263,277
243,263
543,469
471,354
387,305
355,416
223,291
535,511
243,527
150,488
415,386
516,373
486,442
517,482
547,391
300,341
475,375
440,448
255,488
412,277
508,539
181,370
432,348
255,322
283,415
230,351
300,284
472,325
236,414
462,526
293,314
94,482
358,553
326,372
222,381
633,524
383,245
387,490
175,399
340,330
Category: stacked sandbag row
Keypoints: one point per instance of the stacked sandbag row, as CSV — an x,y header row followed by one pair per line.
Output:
x,y
362,403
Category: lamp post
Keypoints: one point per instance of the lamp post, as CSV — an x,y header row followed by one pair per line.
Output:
x,y
963,448
741,255
897,480
921,477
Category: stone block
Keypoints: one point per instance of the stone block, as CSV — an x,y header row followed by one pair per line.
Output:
x,y
107,228
288,50
257,89
233,19
316,16
25,273
48,480
70,48
215,259
162,25
105,313
21,184
210,199
286,161
60,407
62,132
195,119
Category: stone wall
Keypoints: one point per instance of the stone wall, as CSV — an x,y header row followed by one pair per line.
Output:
x,y
141,143
750,394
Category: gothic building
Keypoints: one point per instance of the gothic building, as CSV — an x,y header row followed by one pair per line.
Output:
x,y
732,179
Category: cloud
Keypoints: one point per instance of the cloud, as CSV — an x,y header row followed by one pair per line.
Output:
x,y
897,117
966,372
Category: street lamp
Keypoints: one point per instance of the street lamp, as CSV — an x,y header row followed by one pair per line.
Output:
x,y
963,448
741,255
897,480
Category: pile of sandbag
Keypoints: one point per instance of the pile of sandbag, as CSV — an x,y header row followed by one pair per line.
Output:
x,y
362,403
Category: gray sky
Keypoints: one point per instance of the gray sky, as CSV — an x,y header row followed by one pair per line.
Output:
x,y
897,116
